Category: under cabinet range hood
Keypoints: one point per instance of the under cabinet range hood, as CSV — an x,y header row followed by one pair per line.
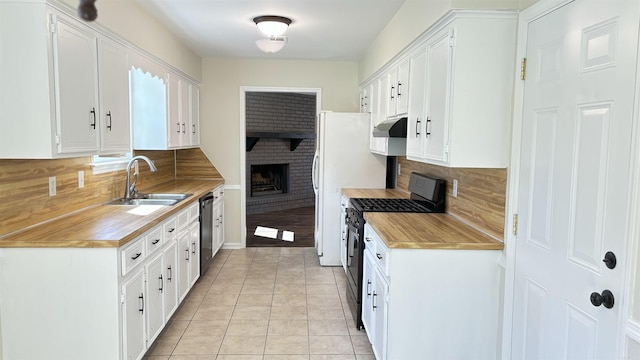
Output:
x,y
393,128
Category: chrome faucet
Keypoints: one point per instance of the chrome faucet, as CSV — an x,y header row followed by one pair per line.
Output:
x,y
130,188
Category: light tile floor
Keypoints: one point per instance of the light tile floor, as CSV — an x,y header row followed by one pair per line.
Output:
x,y
264,304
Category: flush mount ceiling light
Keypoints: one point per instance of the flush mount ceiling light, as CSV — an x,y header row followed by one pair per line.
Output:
x,y
272,25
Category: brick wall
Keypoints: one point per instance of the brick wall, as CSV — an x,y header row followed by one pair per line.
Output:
x,y
281,112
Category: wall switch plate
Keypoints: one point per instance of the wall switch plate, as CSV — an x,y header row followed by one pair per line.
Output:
x,y
52,186
455,187
80,179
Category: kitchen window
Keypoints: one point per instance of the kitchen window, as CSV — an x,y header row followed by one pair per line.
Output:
x,y
107,163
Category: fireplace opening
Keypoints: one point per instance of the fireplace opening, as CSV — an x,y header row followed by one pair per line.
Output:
x,y
269,179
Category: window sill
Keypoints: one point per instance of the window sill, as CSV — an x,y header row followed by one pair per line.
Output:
x,y
109,166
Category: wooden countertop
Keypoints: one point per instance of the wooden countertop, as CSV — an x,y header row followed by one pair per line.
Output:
x,y
428,231
103,226
375,193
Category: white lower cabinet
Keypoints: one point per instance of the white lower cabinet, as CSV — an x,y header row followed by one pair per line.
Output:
x,y
96,303
170,256
430,303
133,339
218,219
154,286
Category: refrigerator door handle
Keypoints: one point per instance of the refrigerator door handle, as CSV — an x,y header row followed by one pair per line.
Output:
x,y
314,173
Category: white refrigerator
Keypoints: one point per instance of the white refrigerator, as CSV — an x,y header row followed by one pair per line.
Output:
x,y
342,160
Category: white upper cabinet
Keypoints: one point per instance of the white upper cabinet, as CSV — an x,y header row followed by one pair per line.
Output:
x,y
397,89
115,124
459,86
60,71
76,86
174,102
465,121
194,114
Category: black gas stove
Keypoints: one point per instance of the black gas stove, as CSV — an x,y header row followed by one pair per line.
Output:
x,y
427,196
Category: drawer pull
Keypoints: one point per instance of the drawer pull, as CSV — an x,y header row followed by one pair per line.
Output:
x,y
136,256
172,230
155,241
379,256
367,239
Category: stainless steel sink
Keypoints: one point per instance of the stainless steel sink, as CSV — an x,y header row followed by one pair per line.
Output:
x,y
165,196
136,202
151,199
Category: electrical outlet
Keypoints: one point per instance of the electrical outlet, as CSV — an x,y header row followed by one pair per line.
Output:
x,y
52,186
455,187
135,167
80,179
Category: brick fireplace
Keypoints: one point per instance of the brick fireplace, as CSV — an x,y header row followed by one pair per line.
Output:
x,y
280,146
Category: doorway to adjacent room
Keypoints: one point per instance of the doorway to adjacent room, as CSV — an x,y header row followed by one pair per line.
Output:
x,y
279,201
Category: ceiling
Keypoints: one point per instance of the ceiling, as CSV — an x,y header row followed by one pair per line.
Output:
x,y
321,29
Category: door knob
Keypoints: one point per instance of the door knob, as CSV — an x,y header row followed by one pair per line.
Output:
x,y
605,299
610,260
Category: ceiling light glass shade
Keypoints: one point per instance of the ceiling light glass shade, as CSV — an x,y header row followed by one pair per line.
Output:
x,y
271,25
272,44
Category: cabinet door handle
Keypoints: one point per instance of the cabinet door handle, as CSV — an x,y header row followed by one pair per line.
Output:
x,y
187,251
161,283
393,87
217,222
399,83
171,230
178,123
373,301
220,219
155,241
368,291
93,112
428,122
193,128
183,128
418,127
379,256
109,116
141,297
136,256
193,247
170,276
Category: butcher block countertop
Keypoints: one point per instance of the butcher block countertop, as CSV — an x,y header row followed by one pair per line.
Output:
x,y
421,231
375,193
428,231
106,226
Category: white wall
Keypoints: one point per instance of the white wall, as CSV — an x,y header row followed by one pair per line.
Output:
x,y
220,110
411,20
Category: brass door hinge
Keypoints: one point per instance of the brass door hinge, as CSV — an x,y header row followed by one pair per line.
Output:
x,y
523,69
515,224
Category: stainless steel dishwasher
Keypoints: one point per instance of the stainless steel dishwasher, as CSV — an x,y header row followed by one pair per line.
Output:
x,y
206,231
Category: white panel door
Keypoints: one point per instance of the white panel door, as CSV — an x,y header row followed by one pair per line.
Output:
x,y
170,259
155,285
574,180
133,337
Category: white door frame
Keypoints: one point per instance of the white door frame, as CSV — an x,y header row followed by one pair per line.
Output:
x,y
243,141
627,327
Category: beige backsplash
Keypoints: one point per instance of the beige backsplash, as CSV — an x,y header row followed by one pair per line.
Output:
x,y
24,186
481,193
